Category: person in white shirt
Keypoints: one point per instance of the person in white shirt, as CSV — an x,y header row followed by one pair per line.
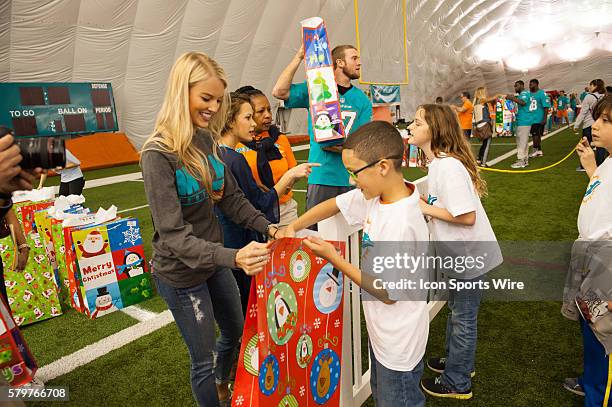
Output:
x,y
72,180
594,249
460,228
387,208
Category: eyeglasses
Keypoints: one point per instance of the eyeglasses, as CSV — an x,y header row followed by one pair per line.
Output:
x,y
353,174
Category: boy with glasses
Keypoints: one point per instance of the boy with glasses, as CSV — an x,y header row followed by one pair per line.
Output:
x,y
387,208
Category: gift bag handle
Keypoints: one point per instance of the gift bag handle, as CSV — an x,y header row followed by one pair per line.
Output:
x,y
16,254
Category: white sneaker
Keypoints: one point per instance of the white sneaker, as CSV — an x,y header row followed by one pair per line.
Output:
x,y
520,164
536,153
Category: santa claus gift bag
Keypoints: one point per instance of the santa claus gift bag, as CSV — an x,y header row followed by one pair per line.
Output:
x,y
111,266
292,339
16,362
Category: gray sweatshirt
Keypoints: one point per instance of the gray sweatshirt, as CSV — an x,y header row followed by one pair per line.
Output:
x,y
187,243
585,117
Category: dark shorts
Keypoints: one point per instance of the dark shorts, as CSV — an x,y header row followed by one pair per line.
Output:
x,y
74,187
537,129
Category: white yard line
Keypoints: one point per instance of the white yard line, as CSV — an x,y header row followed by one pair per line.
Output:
x,y
138,313
133,209
301,148
104,346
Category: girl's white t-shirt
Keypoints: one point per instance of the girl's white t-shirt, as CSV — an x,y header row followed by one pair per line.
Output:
x,y
450,187
595,215
397,332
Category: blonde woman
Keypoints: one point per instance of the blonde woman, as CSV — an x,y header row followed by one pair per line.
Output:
x,y
482,122
184,181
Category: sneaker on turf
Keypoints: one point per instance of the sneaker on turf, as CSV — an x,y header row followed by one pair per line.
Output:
x,y
536,153
580,169
435,387
571,384
439,364
520,164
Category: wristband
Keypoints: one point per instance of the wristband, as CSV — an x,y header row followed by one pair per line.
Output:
x,y
23,246
7,199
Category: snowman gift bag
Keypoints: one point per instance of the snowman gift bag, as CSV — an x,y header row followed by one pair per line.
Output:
x,y
111,266
292,339
325,113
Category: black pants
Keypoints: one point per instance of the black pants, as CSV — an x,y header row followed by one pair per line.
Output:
x,y
484,150
537,131
74,187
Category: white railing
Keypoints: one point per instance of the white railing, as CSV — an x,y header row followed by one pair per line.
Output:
x,y
355,385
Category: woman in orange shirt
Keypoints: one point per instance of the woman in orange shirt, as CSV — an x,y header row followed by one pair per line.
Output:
x,y
465,114
269,154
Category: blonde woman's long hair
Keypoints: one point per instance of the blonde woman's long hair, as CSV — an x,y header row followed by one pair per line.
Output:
x,y
447,138
480,95
174,129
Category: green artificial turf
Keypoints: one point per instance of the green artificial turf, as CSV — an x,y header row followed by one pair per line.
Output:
x,y
51,339
151,371
525,349
101,173
124,195
155,304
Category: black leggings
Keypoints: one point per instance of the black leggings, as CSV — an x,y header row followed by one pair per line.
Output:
x,y
484,150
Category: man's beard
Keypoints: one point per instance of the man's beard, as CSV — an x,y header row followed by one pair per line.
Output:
x,y
351,75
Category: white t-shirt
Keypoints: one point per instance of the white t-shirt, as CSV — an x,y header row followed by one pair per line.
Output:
x,y
595,216
70,174
398,332
450,187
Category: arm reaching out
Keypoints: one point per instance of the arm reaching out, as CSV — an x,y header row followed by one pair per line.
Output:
x,y
324,210
282,87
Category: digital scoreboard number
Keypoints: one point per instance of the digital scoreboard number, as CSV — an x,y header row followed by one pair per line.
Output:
x,y
54,109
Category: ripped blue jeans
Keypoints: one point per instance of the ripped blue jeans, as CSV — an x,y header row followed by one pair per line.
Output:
x,y
195,311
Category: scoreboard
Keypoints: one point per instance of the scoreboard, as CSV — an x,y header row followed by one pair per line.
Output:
x,y
54,109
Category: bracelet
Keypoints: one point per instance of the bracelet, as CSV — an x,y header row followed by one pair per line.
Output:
x,y
273,235
23,246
